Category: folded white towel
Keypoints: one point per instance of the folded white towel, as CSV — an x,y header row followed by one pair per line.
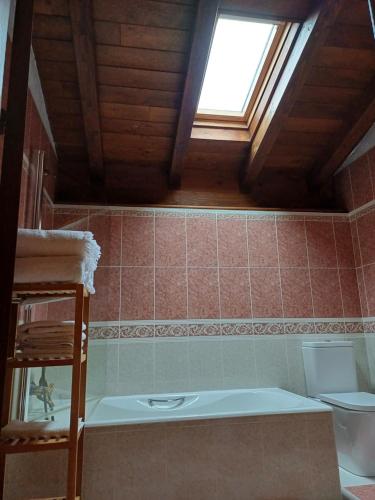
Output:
x,y
33,243
53,338
69,269
16,429
48,325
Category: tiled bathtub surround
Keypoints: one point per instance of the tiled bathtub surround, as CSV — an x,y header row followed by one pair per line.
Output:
x,y
161,265
162,365
278,457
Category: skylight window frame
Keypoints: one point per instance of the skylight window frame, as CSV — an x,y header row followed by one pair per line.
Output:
x,y
238,119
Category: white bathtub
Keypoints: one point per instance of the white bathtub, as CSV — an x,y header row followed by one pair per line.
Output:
x,y
122,410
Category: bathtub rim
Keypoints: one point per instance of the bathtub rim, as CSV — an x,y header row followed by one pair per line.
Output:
x,y
316,407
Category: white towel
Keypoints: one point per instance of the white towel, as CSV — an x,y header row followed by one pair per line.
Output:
x,y
48,324
69,269
33,243
52,338
16,429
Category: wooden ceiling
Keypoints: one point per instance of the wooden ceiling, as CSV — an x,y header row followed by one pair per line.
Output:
x,y
121,96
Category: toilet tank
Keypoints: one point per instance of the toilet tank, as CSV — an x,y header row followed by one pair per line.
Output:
x,y
329,367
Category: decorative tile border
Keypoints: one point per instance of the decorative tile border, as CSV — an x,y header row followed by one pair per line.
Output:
x,y
227,328
104,332
355,327
271,328
295,327
138,213
330,327
261,217
369,325
137,331
206,330
237,329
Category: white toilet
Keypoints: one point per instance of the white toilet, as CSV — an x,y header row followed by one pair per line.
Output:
x,y
331,377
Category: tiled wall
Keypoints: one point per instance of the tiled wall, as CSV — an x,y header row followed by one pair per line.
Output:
x,y
164,365
183,272
278,457
356,189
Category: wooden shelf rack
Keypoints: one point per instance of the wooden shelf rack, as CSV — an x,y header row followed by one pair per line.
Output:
x,y
73,442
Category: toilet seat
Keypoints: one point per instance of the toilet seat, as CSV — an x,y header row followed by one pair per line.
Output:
x,y
360,401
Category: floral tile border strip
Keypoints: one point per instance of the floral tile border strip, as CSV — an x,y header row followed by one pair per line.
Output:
x,y
230,328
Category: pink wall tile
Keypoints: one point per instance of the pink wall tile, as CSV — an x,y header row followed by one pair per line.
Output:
x,y
170,293
292,243
170,241
61,311
326,293
105,303
361,182
203,293
321,244
369,279
235,293
366,234
107,232
201,242
137,293
350,295
296,293
344,244
262,243
362,291
137,241
266,293
355,240
232,242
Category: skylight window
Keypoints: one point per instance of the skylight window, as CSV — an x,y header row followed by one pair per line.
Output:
x,y
238,53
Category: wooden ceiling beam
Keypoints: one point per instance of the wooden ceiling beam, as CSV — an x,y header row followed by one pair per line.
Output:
x,y
311,37
203,32
354,128
84,48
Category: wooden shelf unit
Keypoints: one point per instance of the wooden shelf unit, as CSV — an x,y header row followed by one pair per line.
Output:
x,y
45,292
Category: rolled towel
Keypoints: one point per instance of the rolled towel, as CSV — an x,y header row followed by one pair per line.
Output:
x,y
59,243
16,429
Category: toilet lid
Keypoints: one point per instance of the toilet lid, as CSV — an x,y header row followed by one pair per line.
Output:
x,y
360,401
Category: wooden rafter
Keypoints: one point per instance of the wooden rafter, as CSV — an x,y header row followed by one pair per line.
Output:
x,y
200,47
311,37
84,48
356,126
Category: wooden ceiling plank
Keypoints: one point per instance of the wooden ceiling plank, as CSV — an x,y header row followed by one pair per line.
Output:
x,y
203,32
291,10
362,118
51,7
53,50
52,27
312,36
143,97
142,113
84,47
148,37
140,79
130,57
144,13
339,77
